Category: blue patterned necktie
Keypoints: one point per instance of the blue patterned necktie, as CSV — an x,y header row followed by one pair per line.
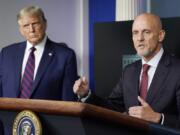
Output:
x,y
27,80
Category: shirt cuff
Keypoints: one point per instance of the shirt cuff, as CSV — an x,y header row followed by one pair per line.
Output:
x,y
83,99
162,119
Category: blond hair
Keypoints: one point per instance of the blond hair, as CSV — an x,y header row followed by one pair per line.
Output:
x,y
31,10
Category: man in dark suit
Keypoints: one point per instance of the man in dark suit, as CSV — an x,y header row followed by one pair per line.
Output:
x,y
151,93
53,72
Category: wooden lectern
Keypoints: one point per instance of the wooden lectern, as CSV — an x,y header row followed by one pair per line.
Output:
x,y
71,118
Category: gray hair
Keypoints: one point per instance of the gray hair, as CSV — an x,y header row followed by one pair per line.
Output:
x,y
31,10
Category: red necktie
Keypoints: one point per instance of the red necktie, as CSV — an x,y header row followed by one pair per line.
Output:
x,y
27,80
144,82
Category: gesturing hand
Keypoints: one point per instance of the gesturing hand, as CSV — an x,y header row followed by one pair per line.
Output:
x,y
144,112
81,87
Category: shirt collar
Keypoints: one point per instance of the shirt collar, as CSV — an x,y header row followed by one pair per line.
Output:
x,y
41,45
155,60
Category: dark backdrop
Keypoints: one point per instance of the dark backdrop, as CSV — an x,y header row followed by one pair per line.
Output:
x,y
113,40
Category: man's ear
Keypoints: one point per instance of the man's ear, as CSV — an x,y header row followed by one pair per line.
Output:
x,y
162,34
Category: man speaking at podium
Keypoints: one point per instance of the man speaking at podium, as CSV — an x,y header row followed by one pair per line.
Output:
x,y
37,68
149,89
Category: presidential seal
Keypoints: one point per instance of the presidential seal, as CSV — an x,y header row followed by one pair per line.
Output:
x,y
27,123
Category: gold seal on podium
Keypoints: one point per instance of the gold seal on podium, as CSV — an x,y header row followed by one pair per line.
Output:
x,y
27,123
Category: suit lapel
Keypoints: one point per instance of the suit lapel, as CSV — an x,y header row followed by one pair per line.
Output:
x,y
134,83
43,65
158,79
18,60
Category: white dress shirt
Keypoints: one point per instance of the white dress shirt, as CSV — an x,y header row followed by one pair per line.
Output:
x,y
37,53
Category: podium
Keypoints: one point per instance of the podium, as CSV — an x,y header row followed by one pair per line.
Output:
x,y
71,118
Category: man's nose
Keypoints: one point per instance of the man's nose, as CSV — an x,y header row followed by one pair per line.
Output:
x,y
31,28
140,37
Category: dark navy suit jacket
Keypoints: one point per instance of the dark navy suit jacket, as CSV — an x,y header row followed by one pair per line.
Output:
x,y
163,95
55,77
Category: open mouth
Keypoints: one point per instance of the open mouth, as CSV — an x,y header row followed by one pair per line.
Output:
x,y
141,46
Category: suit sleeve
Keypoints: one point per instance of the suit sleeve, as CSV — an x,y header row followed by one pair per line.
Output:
x,y
113,102
174,120
70,76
